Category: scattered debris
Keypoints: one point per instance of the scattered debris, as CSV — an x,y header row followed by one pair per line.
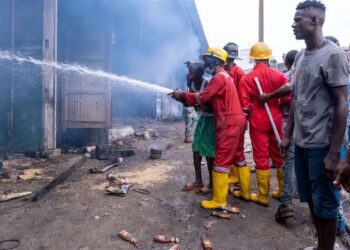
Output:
x,y
12,196
106,166
51,153
209,224
165,239
228,209
206,243
36,162
141,190
113,178
111,151
155,136
9,244
169,146
75,151
222,215
87,155
120,132
127,237
116,186
175,247
30,174
119,189
139,134
155,154
59,179
146,136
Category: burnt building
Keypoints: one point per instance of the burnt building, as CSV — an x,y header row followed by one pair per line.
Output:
x,y
42,107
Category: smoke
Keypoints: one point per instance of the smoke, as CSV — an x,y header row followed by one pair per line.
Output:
x,y
144,40
152,42
171,40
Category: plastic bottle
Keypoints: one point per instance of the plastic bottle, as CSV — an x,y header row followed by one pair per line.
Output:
x,y
175,247
165,239
206,243
127,237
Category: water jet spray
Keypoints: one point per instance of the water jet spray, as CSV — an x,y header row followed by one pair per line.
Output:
x,y
122,80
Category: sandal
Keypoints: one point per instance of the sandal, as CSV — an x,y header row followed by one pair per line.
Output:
x,y
232,210
191,186
204,190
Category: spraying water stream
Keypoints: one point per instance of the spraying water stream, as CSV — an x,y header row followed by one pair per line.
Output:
x,y
5,55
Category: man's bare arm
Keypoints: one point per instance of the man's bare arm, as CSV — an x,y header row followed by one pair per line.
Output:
x,y
340,97
281,92
288,132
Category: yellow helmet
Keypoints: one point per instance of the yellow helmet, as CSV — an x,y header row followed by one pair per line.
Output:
x,y
218,53
260,51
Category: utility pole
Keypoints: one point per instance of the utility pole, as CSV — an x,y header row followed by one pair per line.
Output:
x,y
261,20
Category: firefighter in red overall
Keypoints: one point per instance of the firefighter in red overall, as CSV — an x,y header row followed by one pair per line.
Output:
x,y
264,142
229,120
240,171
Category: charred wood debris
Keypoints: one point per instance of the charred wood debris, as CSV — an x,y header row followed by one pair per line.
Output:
x,y
31,165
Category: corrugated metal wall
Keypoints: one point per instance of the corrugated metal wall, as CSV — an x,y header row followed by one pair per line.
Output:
x,y
21,84
84,38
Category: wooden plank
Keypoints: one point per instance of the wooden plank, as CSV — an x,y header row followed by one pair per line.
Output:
x,y
106,166
58,180
12,196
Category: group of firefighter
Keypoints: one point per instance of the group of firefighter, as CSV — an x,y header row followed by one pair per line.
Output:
x,y
230,100
309,102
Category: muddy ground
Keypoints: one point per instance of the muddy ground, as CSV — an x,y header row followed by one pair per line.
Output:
x,y
79,215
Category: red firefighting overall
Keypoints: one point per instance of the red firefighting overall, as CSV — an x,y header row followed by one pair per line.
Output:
x,y
229,119
265,145
237,73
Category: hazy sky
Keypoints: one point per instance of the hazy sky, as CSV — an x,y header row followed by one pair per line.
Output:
x,y
237,21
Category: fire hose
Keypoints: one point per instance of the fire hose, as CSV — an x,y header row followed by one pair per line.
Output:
x,y
275,131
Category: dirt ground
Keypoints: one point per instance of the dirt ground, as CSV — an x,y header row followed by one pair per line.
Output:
x,y
78,214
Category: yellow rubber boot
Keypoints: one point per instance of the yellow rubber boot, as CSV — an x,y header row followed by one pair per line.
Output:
x,y
263,179
244,183
277,193
220,190
233,177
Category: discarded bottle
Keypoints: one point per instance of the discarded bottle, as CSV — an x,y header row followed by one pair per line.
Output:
x,y
206,243
222,215
165,239
175,247
127,237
